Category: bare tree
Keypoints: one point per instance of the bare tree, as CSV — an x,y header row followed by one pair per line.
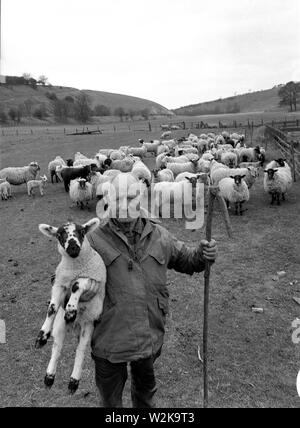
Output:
x,y
43,80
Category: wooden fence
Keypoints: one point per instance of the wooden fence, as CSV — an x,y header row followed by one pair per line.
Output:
x,y
289,145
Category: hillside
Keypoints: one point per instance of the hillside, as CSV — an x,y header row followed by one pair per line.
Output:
x,y
12,96
260,101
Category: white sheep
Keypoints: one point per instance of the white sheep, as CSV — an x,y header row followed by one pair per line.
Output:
x,y
152,147
177,168
86,161
136,151
277,182
79,268
180,194
20,175
163,148
52,167
81,192
123,165
163,175
234,190
250,173
202,177
230,159
5,189
142,172
249,154
37,184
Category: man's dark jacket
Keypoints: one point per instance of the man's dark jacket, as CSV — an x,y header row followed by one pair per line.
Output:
x,y
136,303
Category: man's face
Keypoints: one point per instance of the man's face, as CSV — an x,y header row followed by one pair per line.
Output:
x,y
125,203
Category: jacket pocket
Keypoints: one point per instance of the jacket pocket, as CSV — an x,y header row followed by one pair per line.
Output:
x,y
157,253
109,255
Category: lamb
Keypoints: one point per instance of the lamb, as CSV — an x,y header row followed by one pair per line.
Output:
x,y
34,184
5,189
234,190
163,175
81,192
71,173
20,175
52,168
79,268
277,182
116,155
163,148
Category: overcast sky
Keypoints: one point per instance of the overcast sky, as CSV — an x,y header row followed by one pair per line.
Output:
x,y
174,52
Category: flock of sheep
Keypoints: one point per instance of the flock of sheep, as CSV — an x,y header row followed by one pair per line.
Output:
x,y
221,160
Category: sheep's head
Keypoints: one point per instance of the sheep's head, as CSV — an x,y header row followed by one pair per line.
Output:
x,y
281,162
70,162
70,236
44,178
237,179
34,166
271,172
82,182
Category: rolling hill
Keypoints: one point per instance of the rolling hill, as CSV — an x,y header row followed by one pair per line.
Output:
x,y
12,96
259,101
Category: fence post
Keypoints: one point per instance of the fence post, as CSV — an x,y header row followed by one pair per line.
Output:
x,y
150,129
114,128
183,125
293,159
31,131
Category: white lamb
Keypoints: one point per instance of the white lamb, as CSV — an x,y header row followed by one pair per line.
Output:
x,y
234,190
5,189
37,184
20,175
277,182
79,268
81,192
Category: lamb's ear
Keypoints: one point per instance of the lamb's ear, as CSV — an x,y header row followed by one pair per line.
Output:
x,y
91,225
48,230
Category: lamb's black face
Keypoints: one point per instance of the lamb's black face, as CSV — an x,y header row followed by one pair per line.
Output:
x,y
71,236
280,162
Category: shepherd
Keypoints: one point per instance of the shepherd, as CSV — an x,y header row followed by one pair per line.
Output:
x,y
137,253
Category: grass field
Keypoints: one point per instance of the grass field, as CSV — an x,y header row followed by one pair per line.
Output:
x,y
252,360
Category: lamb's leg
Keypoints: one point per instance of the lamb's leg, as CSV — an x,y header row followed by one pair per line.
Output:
x,y
85,338
58,334
57,298
81,285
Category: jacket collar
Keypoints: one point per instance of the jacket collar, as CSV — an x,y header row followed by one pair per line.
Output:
x,y
142,225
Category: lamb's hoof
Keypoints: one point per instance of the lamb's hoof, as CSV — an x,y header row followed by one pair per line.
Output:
x,y
73,385
49,380
41,340
70,316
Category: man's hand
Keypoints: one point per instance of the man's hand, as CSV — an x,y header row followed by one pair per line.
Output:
x,y
209,250
89,294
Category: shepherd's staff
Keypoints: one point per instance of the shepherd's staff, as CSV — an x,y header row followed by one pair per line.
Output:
x,y
213,194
